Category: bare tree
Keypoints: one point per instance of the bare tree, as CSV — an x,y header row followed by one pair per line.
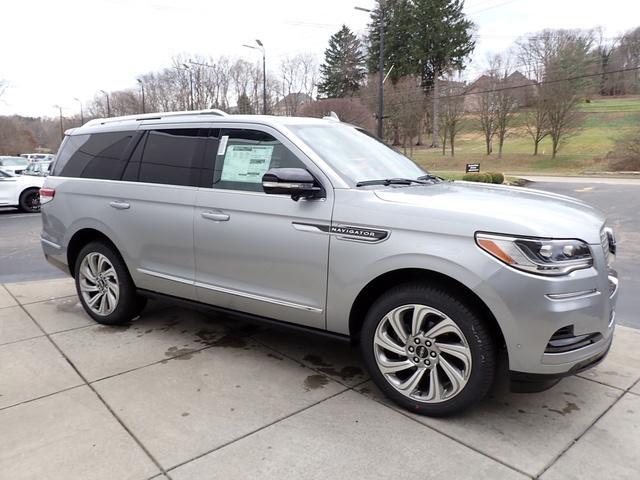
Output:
x,y
350,110
298,79
505,98
452,111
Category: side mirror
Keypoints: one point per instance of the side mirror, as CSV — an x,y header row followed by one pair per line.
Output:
x,y
297,182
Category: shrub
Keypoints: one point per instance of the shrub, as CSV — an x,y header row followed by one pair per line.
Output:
x,y
473,177
497,177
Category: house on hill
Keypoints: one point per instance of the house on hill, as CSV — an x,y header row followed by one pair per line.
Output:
x,y
291,104
521,87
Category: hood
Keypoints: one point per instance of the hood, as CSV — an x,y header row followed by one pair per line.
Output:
x,y
500,209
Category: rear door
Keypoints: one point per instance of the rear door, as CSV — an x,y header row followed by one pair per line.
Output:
x,y
155,210
255,252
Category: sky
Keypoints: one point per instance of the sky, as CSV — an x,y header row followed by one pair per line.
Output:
x,y
53,52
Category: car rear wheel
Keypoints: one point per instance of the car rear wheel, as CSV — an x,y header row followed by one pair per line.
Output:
x,y
30,201
427,350
104,285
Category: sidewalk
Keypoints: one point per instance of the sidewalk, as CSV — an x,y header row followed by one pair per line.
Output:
x,y
582,179
187,396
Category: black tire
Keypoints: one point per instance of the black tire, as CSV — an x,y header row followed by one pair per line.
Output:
x,y
129,305
30,200
478,338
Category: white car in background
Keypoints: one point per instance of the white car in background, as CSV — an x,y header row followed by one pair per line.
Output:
x,y
13,165
38,157
21,191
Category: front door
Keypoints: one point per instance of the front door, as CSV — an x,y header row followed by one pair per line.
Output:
x,y
253,251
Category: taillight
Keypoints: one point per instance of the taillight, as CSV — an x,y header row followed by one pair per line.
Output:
x,y
46,195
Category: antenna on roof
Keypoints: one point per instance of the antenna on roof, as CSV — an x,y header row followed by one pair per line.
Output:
x,y
332,116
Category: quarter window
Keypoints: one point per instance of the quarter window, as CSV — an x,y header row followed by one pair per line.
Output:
x,y
244,156
97,155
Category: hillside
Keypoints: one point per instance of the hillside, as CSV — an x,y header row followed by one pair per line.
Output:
x,y
602,122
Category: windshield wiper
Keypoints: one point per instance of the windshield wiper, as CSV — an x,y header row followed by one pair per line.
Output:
x,y
430,176
393,181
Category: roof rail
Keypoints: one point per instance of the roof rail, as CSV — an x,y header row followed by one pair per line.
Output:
x,y
154,116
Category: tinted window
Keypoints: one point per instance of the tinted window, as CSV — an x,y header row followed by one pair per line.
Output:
x,y
169,157
96,155
244,156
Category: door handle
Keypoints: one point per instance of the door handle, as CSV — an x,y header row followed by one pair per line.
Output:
x,y
219,217
120,205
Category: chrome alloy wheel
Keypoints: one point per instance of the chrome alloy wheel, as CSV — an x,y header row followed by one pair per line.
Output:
x,y
99,284
422,353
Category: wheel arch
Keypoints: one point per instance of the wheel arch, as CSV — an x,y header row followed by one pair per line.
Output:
x,y
81,238
387,280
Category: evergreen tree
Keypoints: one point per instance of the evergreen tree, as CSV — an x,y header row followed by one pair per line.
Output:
x,y
244,104
343,69
422,37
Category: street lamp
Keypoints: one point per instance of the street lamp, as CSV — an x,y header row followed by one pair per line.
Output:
x,y
264,73
61,125
142,88
108,103
81,111
380,66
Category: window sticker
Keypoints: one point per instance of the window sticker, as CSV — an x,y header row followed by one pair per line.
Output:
x,y
246,163
223,144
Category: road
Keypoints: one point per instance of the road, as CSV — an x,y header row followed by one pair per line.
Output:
x,y
21,258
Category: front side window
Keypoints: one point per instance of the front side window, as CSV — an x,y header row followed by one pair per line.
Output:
x,y
355,154
169,157
243,156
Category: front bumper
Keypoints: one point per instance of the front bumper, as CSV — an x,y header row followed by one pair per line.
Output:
x,y
532,309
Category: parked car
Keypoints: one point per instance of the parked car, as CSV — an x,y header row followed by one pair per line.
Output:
x,y
316,224
38,157
13,165
38,168
20,191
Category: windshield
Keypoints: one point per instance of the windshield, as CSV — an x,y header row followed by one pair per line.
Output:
x,y
355,154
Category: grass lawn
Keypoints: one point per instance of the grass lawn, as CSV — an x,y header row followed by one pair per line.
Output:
x,y
600,124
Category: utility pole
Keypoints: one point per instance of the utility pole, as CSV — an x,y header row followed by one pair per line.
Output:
x,y
81,111
108,103
187,67
381,75
142,88
264,73
435,141
61,125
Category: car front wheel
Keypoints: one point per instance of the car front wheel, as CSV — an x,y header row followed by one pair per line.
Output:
x,y
427,350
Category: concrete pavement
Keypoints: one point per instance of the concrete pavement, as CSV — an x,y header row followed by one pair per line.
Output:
x,y
184,395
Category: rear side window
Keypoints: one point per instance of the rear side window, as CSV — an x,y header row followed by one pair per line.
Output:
x,y
96,155
170,157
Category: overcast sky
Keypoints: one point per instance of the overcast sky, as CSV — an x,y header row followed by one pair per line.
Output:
x,y
55,50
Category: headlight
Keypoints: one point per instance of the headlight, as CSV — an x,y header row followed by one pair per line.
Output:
x,y
537,255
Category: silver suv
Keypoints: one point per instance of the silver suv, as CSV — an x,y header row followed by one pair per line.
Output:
x,y
316,224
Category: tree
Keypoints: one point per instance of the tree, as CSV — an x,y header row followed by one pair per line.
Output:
x,y
244,104
343,70
505,98
452,112
350,110
298,80
424,38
